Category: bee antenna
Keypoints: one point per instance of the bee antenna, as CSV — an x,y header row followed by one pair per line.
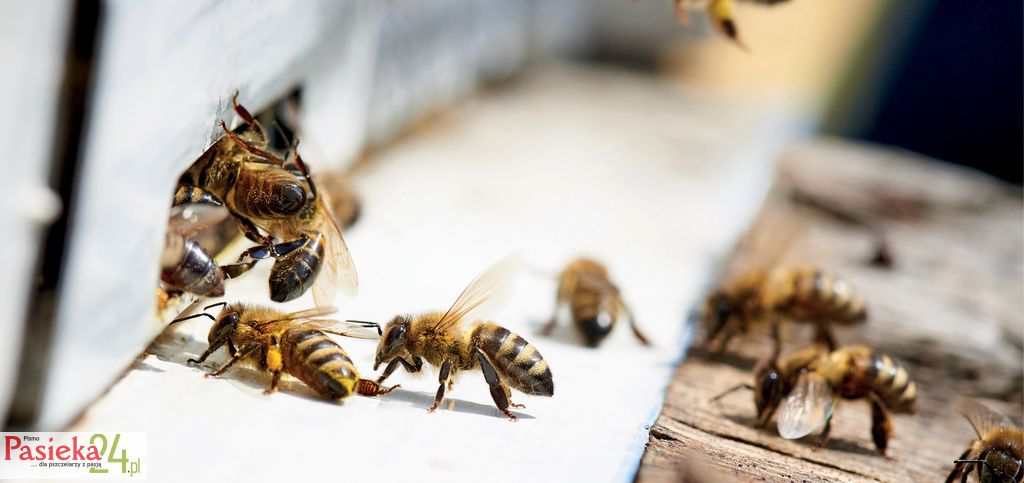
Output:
x,y
731,390
303,168
368,324
190,317
218,304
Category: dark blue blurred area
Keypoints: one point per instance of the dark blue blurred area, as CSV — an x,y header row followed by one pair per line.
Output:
x,y
956,91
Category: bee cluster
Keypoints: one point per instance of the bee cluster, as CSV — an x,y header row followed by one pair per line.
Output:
x,y
804,386
278,205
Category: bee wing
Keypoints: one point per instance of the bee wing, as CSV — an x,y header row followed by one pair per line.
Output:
x,y
338,271
302,314
358,330
488,291
187,219
807,407
982,418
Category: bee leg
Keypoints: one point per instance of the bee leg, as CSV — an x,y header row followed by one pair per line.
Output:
x,y
959,468
252,256
443,379
265,157
777,336
250,230
210,350
636,330
508,394
823,439
498,390
235,358
411,368
550,324
243,112
823,335
881,426
272,360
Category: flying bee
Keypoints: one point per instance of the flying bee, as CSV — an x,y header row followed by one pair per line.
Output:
x,y
185,264
799,294
458,340
594,302
998,452
276,204
807,383
294,343
721,13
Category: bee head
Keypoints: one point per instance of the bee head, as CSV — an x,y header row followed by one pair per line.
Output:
x,y
392,342
996,464
227,322
720,308
769,391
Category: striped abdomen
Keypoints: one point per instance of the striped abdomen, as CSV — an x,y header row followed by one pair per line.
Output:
x,y
518,363
267,193
593,312
186,265
813,294
193,195
296,271
885,377
315,359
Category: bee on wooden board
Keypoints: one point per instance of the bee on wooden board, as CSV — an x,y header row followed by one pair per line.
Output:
x,y
721,13
594,302
276,204
997,454
799,294
807,383
185,264
294,343
459,340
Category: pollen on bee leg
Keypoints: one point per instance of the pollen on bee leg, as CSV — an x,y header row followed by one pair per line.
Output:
x,y
274,360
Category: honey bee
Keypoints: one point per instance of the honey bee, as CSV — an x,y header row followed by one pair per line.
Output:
x,y
998,452
458,340
798,294
276,204
807,383
185,264
721,13
594,301
295,343
252,182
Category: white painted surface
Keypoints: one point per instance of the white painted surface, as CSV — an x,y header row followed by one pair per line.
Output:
x,y
33,42
166,73
571,161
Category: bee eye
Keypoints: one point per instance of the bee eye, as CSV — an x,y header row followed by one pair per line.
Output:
x,y
291,197
394,336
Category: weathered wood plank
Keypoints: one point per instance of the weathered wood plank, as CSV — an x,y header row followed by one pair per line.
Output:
x,y
949,309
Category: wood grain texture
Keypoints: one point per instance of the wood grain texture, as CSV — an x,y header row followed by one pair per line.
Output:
x,y
949,309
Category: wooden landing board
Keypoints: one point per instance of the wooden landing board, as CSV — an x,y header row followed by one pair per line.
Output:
x,y
949,310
